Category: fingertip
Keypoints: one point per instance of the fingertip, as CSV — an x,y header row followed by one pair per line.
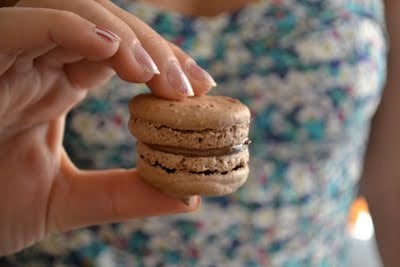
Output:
x,y
158,88
105,34
191,203
109,43
197,203
200,91
131,66
131,76
177,79
172,83
144,59
201,80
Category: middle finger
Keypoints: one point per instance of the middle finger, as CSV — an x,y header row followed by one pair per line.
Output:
x,y
131,62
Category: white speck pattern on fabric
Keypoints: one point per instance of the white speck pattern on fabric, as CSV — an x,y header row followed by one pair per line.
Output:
x,y
312,73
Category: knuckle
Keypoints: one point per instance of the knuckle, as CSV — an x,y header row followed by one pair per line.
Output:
x,y
55,219
114,201
153,39
65,16
173,47
178,51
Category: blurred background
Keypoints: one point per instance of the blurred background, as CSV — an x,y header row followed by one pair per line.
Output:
x,y
363,250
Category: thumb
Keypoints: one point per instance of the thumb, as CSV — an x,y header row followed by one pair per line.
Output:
x,y
83,198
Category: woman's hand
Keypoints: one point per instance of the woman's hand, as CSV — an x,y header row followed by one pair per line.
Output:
x,y
51,53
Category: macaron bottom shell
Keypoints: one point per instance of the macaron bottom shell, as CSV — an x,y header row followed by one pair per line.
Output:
x,y
181,176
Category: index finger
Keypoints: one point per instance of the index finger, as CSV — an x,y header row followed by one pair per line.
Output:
x,y
172,83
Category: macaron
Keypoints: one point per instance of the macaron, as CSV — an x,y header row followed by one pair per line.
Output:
x,y
196,146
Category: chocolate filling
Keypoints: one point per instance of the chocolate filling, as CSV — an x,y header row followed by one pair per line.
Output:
x,y
215,152
206,172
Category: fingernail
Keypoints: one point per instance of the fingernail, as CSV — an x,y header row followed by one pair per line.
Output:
x,y
106,34
144,59
191,201
177,78
198,73
185,200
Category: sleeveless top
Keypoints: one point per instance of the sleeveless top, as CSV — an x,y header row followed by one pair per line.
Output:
x,y
312,72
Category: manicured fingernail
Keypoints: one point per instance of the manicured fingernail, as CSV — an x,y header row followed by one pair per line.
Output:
x,y
185,200
192,201
198,201
198,73
177,78
106,34
144,59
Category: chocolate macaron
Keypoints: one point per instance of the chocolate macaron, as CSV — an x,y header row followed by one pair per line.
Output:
x,y
198,146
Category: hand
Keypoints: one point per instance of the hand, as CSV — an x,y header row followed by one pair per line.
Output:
x,y
51,53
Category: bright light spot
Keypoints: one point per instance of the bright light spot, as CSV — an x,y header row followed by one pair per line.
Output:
x,y
363,228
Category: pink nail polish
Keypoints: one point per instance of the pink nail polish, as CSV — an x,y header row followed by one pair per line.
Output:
x,y
177,78
199,74
106,34
144,59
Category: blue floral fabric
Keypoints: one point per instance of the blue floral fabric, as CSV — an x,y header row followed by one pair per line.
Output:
x,y
312,72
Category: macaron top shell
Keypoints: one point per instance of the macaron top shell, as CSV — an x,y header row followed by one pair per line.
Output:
x,y
192,113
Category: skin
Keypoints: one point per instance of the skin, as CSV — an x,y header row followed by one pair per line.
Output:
x,y
381,177
43,192
44,72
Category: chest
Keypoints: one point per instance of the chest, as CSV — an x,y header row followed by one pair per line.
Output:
x,y
307,77
206,8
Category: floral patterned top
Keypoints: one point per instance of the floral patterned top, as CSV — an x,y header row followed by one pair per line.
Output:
x,y
312,72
